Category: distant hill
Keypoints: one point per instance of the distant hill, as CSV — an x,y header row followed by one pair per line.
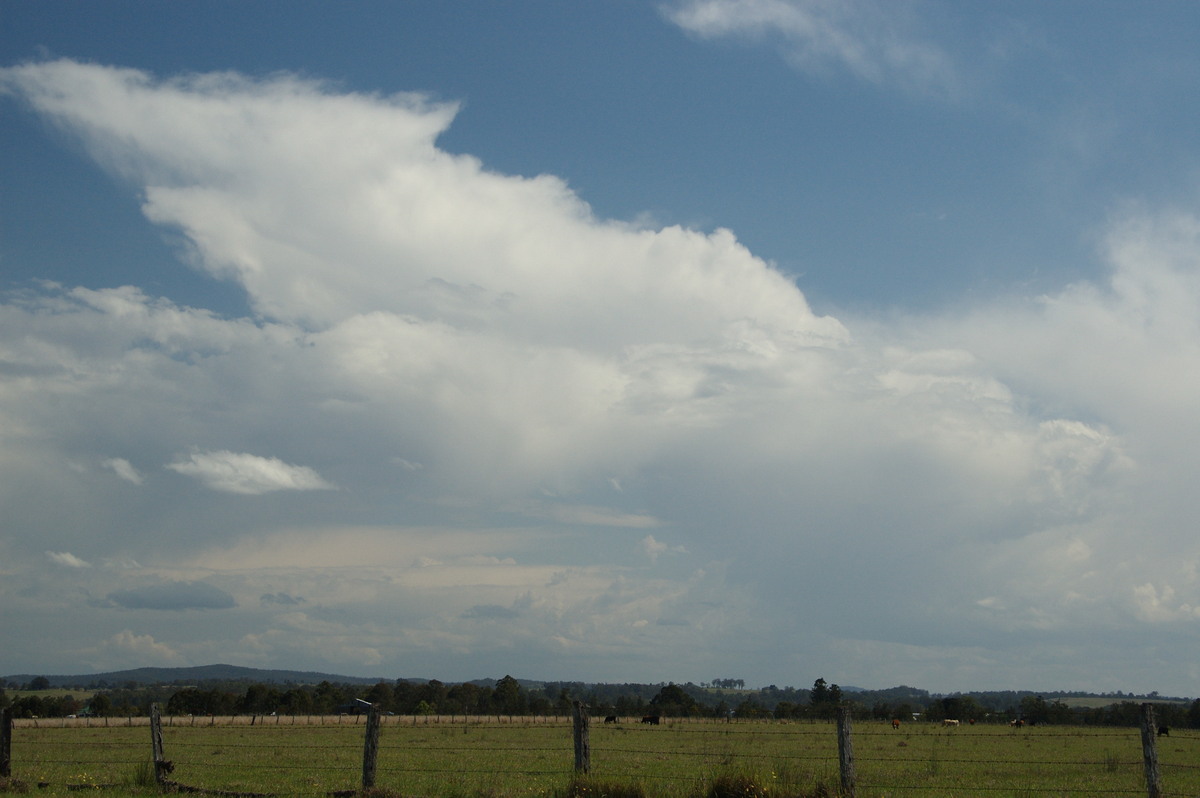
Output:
x,y
202,673
208,676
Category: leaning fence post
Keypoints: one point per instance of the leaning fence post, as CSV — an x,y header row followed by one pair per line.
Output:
x,y
370,748
161,766
1150,752
845,751
5,743
583,746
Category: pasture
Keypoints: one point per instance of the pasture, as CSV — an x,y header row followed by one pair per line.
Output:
x,y
491,758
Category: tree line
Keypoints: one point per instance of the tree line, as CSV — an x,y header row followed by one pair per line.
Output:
x,y
509,697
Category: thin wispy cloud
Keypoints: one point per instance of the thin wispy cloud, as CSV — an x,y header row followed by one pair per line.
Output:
x,y
172,596
878,42
586,515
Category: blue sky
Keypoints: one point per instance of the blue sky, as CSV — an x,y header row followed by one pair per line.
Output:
x,y
616,341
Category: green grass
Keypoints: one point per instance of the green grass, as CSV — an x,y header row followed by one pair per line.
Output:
x,y
82,696
486,759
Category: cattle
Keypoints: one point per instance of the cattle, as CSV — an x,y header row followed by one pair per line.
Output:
x,y
610,718
949,722
1164,731
1016,724
971,721
650,719
895,723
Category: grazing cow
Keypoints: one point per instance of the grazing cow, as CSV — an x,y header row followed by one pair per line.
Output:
x,y
895,723
610,718
651,719
1164,731
1016,724
949,722
971,721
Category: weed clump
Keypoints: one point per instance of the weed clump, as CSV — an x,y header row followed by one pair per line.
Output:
x,y
13,785
750,785
142,776
582,787
379,792
736,785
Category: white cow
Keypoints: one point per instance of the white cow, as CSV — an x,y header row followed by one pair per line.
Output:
x,y
948,722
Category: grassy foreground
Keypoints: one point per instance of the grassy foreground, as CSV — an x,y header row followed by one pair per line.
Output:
x,y
482,758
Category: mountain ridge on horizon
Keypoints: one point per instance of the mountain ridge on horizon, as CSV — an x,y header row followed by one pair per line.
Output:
x,y
149,675
215,672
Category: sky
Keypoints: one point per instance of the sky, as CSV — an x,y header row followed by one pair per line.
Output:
x,y
617,342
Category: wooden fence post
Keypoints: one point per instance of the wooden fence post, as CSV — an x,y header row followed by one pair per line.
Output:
x,y
5,742
161,766
583,746
370,748
1150,752
845,752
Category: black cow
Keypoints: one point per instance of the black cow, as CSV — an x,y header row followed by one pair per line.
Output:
x,y
1164,731
610,719
651,719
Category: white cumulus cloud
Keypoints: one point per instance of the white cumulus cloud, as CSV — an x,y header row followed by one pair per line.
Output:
x,y
67,559
238,472
128,646
124,469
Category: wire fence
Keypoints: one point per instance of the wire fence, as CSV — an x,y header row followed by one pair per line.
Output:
x,y
503,757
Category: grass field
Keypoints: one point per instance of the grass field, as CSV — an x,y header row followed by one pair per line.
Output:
x,y
483,758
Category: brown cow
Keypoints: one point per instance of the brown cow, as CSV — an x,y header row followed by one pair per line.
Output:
x,y
895,723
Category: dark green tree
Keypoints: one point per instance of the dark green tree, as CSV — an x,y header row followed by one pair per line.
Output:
x,y
464,699
381,695
433,693
1034,710
825,698
194,701
296,701
259,699
100,706
507,698
750,708
27,706
819,693
404,697
787,709
538,703
673,701
326,698
563,706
